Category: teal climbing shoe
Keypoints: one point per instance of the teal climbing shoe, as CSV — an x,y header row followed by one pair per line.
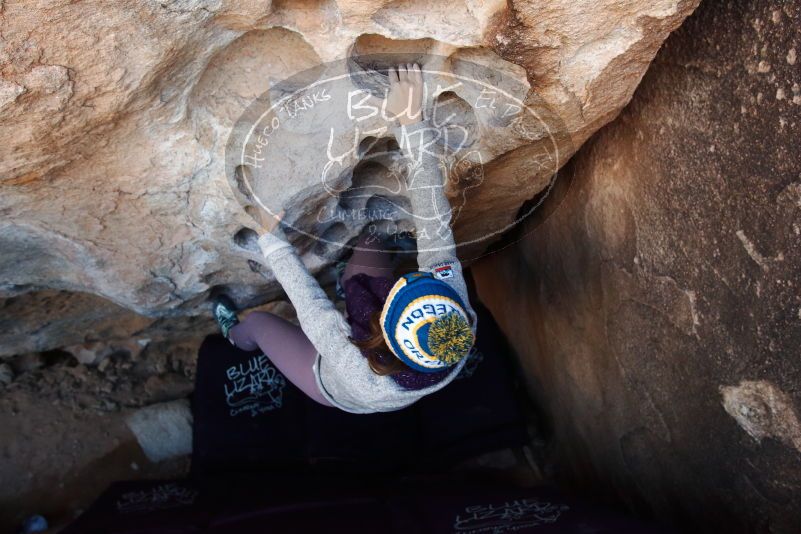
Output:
x,y
224,312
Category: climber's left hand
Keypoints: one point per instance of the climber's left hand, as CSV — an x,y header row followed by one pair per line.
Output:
x,y
270,222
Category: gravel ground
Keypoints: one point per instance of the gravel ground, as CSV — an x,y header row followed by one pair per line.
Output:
x,y
64,436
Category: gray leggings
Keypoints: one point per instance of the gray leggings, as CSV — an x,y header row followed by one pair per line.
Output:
x,y
285,343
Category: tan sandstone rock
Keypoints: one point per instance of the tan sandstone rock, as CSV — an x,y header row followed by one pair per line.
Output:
x,y
114,119
656,309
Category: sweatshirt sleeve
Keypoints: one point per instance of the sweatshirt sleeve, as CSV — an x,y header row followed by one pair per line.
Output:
x,y
341,371
432,210
322,323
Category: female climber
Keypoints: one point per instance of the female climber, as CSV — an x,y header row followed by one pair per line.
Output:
x,y
404,336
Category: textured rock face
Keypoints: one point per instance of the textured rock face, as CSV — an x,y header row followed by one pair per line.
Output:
x,y
115,119
657,310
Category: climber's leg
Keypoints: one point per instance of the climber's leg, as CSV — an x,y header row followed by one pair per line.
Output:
x,y
285,345
369,257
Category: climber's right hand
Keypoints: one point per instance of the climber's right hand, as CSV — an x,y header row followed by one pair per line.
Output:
x,y
405,97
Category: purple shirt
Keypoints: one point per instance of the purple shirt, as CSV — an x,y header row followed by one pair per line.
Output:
x,y
365,294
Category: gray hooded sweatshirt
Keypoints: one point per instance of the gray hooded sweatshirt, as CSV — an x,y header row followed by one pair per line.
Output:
x,y
341,370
